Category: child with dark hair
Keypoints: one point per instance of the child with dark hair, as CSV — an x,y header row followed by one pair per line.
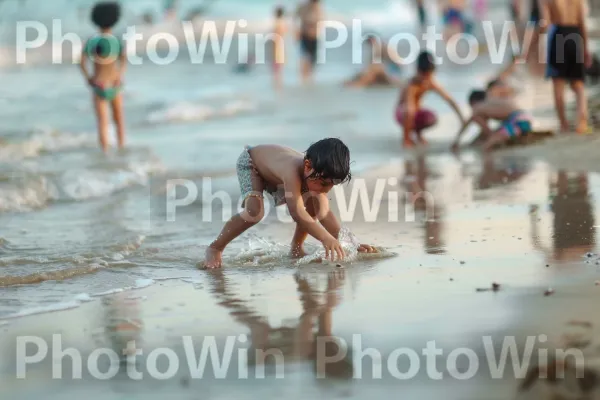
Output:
x,y
106,53
300,182
515,122
409,113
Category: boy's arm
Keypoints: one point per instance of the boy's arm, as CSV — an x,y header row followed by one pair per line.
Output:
x,y
446,96
332,225
298,212
122,62
584,33
410,109
83,64
461,132
544,15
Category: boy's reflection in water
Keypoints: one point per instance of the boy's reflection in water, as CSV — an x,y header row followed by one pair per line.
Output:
x,y
311,339
573,225
429,210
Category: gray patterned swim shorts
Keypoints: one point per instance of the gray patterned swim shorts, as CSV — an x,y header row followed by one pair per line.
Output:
x,y
245,170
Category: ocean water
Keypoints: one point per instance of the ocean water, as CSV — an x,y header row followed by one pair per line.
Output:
x,y
74,221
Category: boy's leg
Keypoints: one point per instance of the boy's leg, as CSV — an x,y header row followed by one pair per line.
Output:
x,y
559,103
494,140
582,106
423,120
238,224
401,115
101,109
117,110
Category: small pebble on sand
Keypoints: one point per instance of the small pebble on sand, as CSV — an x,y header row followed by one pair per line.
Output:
x,y
462,262
597,283
549,292
547,265
495,286
339,265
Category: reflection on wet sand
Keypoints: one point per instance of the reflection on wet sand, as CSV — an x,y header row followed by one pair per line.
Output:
x,y
310,339
430,204
122,321
495,175
573,221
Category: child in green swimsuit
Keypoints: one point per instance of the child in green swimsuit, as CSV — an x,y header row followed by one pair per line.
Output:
x,y
106,53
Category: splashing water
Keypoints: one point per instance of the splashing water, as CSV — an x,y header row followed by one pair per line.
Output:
x,y
262,252
349,243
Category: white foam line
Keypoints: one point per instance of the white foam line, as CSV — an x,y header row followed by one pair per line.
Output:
x,y
43,310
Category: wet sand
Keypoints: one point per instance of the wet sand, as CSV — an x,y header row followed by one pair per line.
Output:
x,y
502,220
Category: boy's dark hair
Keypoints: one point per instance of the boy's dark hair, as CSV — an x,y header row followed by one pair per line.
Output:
x,y
330,159
493,83
106,14
477,96
279,11
425,62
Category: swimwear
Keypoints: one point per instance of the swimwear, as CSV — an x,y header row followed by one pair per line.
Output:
x,y
453,16
566,58
109,48
517,124
423,118
245,171
309,47
106,92
392,68
103,46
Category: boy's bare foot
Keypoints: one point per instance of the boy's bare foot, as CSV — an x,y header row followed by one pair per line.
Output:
x,y
408,143
582,128
213,259
298,252
422,141
565,128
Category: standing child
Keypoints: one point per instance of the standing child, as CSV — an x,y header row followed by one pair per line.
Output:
x,y
409,113
300,182
454,18
515,122
109,60
279,32
568,56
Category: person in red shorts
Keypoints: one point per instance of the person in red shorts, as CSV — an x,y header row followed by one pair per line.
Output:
x,y
410,115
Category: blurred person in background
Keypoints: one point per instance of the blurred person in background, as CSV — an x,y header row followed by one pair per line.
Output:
x,y
309,14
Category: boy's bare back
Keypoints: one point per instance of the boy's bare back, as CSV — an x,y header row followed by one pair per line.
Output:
x,y
414,91
278,165
496,108
565,12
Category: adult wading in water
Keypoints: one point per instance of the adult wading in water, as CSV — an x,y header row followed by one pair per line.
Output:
x,y
309,15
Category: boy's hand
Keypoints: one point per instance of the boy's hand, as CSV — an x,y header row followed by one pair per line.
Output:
x,y
365,248
333,248
588,59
